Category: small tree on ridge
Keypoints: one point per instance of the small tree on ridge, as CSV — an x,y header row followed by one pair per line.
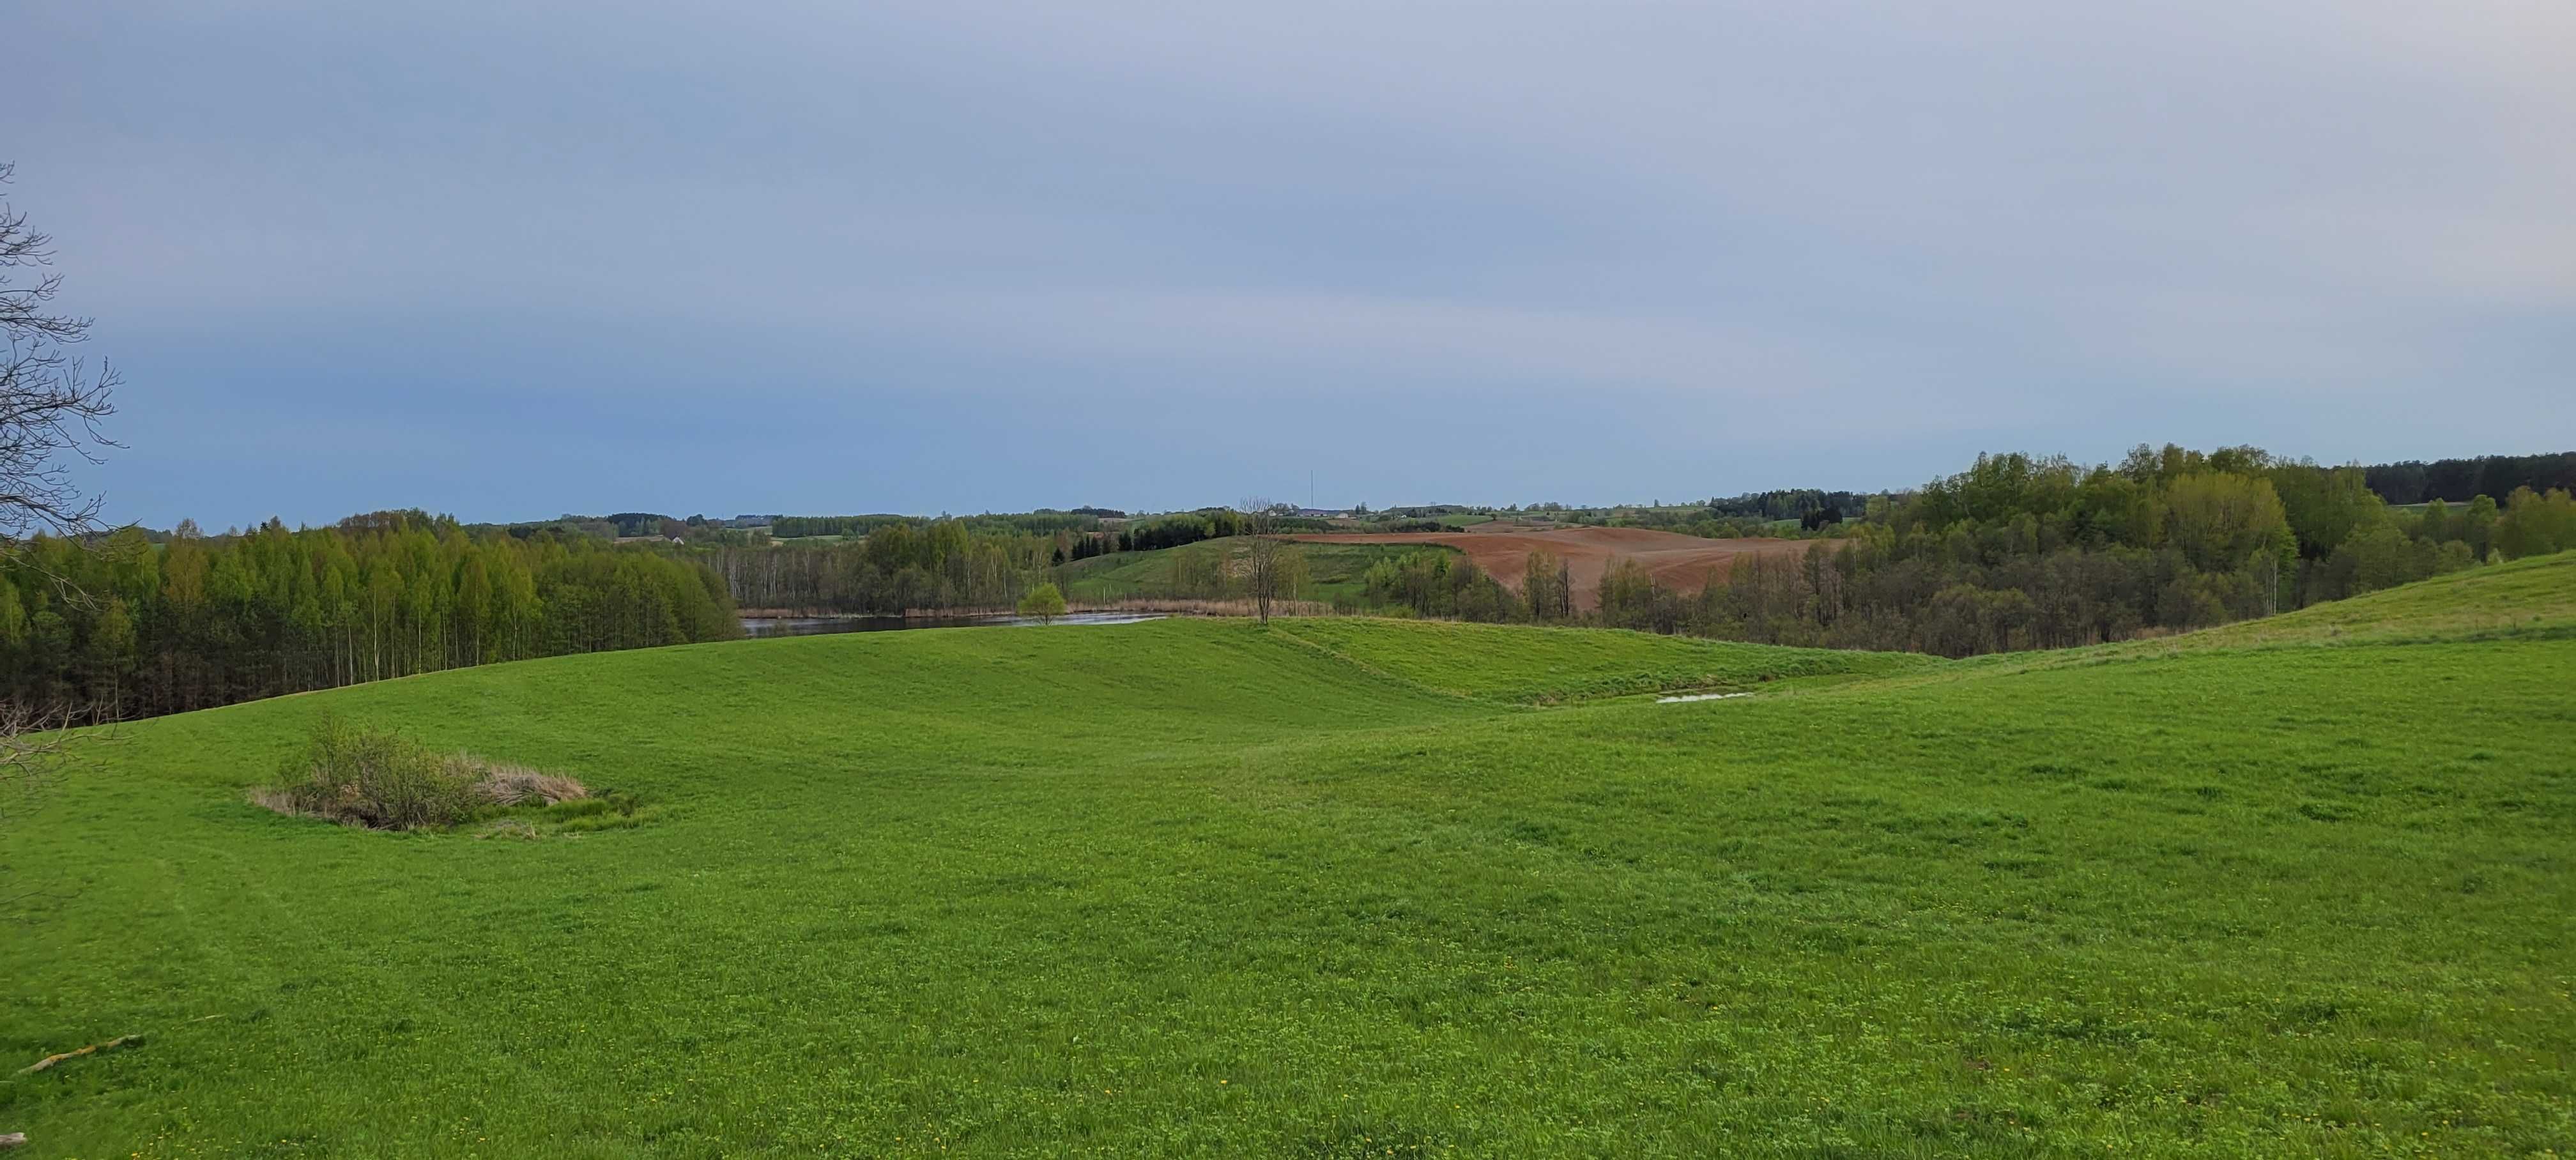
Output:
x,y
1272,566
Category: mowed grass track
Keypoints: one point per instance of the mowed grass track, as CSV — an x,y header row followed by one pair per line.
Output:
x,y
1203,888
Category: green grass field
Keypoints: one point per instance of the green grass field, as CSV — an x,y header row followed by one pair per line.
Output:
x,y
1472,660
1124,575
1358,888
1336,572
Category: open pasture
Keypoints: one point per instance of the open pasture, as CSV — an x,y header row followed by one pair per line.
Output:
x,y
1347,888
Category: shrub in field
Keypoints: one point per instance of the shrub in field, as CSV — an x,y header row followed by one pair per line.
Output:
x,y
383,780
1045,602
374,778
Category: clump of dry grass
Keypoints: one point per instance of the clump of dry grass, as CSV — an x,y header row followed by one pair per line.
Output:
x,y
385,781
517,785
518,829
277,800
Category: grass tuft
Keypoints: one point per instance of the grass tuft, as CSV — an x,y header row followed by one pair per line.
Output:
x,y
516,829
512,785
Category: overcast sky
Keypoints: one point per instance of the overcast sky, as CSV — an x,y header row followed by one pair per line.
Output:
x,y
511,260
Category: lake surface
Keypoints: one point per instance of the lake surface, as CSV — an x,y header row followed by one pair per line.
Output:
x,y
760,626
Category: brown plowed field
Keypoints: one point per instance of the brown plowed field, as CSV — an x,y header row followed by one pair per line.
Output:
x,y
1679,562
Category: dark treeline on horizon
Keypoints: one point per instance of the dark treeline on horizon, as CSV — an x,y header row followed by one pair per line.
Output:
x,y
1789,505
1041,521
2461,480
1173,531
2405,483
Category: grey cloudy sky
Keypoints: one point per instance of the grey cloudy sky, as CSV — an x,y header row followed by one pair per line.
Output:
x,y
509,260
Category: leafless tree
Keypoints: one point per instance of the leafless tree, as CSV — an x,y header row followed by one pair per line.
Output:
x,y
1271,565
50,402
50,408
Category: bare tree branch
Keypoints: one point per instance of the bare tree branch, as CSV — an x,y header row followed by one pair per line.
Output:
x,y
51,402
34,744
1272,566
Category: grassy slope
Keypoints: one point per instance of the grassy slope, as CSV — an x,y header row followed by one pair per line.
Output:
x,y
1197,887
2533,597
1124,575
1334,571
1520,664
2530,599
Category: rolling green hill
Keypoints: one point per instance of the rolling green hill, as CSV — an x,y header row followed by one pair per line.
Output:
x,y
2533,597
1358,888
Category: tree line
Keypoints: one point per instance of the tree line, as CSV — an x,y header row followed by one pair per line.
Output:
x,y
902,566
2209,550
134,629
1042,521
1752,514
2459,481
1785,504
1213,523
2023,552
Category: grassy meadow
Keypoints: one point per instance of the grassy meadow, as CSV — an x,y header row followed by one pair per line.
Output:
x,y
1473,660
1359,888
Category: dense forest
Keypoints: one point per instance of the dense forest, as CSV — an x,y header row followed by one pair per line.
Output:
x,y
134,628
902,565
2020,552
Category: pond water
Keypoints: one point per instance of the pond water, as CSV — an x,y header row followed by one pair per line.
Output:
x,y
760,626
